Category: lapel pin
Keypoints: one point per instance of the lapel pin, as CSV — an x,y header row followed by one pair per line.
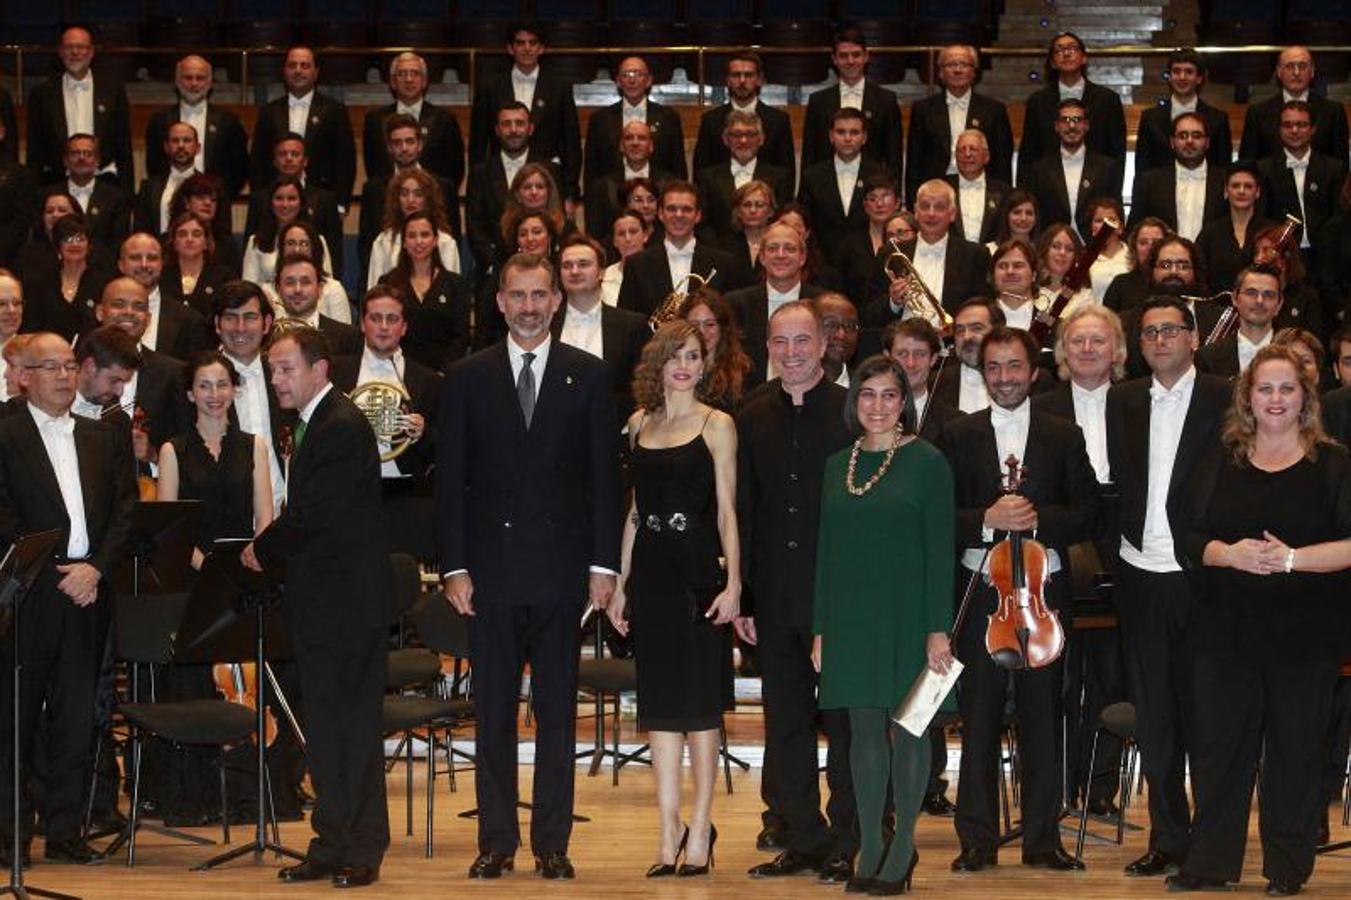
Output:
x,y
974,123
93,210
314,120
441,298
424,130
102,108
539,103
209,289
867,114
1313,187
211,128
568,379
991,204
89,303
1086,183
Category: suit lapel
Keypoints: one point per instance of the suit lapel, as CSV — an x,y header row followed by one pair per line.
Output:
x,y
556,377
92,477
37,452
1062,193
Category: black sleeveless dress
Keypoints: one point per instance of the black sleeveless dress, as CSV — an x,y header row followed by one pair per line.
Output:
x,y
684,663
225,485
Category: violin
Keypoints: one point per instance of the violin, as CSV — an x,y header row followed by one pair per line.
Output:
x,y
140,421
238,683
1023,632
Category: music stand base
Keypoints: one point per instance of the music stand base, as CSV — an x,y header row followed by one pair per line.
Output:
x,y
1332,848
256,848
520,804
23,892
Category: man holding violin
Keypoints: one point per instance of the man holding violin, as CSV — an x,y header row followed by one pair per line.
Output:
x,y
1056,502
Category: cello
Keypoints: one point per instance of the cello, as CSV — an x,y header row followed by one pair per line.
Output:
x,y
1023,632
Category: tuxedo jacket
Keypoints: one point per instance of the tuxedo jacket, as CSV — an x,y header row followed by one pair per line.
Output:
x,y
819,192
1153,148
1224,257
329,145
343,339
1337,415
321,208
1106,128
751,305
47,130
602,141
203,296
647,275
1207,315
1322,183
883,114
329,538
18,207
938,412
966,274
604,202
623,334
527,511
557,137
280,421
717,191
424,392
1101,177
146,207
1155,194
159,391
108,213
442,144
995,191
225,146
181,331
1128,410
928,147
485,201
1262,126
1220,358
778,149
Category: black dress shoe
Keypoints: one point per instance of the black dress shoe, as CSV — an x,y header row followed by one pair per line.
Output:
x,y
306,870
491,865
1055,858
1278,888
973,860
836,869
858,885
1103,808
1181,881
1152,863
74,852
771,840
880,888
554,865
789,862
356,876
938,804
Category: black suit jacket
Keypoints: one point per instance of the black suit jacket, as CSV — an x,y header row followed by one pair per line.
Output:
x,y
778,149
647,275
1322,183
928,148
442,143
604,202
182,330
321,208
225,146
424,392
1220,358
18,206
623,334
1153,148
1224,257
966,274
47,130
883,114
1262,126
1337,415
145,208
485,200
557,136
995,191
1106,127
751,305
527,511
108,214
602,141
1155,194
717,192
329,145
343,339
819,192
1101,177
203,296
1207,314
937,414
159,391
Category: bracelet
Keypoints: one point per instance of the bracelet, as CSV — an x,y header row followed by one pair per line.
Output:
x,y
1290,560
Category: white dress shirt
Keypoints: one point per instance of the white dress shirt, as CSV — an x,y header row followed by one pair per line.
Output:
x,y
1167,413
83,194
846,178
171,184
930,264
194,114
251,407
582,330
78,98
742,174
1073,164
1020,317
1191,199
851,96
972,395
512,164
298,112
1090,412
679,260
151,336
611,282
86,409
642,171
58,437
523,86
1105,268
921,401
385,255
413,109
375,368
4,368
957,111
635,113
1248,349
1299,168
971,200
1076,92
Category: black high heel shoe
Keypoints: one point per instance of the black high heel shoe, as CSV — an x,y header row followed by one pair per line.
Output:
x,y
665,870
879,888
686,870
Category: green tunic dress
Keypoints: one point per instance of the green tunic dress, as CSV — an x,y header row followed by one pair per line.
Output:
x,y
884,571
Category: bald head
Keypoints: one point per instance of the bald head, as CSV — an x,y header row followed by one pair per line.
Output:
x,y
192,78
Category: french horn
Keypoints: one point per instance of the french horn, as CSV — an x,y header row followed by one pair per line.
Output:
x,y
669,308
386,406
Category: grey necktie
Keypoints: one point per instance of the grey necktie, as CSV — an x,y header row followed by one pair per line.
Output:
x,y
525,388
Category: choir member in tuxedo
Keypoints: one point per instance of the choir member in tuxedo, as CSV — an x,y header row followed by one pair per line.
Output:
x,y
1339,351
880,110
442,146
66,612
318,203
964,389
323,122
1188,193
1262,122
651,275
728,364
61,299
858,255
1226,240
839,319
528,508
783,255
603,194
224,149
744,137
1257,297
337,603
831,190
937,122
299,285
152,208
785,432
98,106
175,328
914,345
435,300
745,78
11,318
490,181
1153,140
1014,270
18,203
555,136
1131,288
1059,501
1158,430
978,194
603,130
1299,180
1175,269
106,205
1066,79
191,273
1073,174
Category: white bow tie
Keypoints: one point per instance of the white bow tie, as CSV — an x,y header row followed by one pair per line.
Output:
x,y
64,425
1161,394
1191,175
738,169
1001,416
81,85
407,110
293,101
1293,164
929,251
959,102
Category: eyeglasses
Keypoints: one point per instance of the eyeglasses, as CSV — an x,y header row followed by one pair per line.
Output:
x,y
1070,120
1169,331
75,239
1297,65
1252,293
632,73
1066,49
52,367
848,326
1174,265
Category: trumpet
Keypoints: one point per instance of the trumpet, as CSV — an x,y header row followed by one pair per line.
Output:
x,y
387,407
669,308
915,296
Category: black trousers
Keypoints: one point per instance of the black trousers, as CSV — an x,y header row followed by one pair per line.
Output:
x,y
61,648
983,688
1155,611
789,684
343,687
502,639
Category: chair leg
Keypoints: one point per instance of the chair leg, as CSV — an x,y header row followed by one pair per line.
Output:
x,y
1125,791
132,820
450,754
224,800
1083,796
93,786
617,764
408,783
726,758
598,754
431,784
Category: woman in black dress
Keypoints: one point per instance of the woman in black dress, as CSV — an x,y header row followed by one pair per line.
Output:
x,y
62,299
436,301
191,274
683,598
205,195
1270,542
1227,241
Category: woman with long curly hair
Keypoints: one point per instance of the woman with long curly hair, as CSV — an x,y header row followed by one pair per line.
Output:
x,y
412,191
728,364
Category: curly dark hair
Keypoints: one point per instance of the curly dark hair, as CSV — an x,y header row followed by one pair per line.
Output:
x,y
661,349
728,365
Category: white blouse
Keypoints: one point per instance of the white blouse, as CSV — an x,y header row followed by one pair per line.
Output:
x,y
385,255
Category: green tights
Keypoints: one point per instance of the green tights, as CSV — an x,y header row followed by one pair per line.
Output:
x,y
880,751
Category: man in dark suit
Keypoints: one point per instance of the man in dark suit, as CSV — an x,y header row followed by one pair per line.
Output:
x,y
978,193
744,137
329,542
1059,501
783,255
1257,297
634,80
881,112
555,135
1299,180
490,183
18,204
1066,64
528,507
175,328
1066,179
650,276
832,190
300,284
1173,417
153,201
604,196
290,157
439,132
101,110
76,476
323,122
914,345
1154,137
938,120
1187,194
745,78
224,150
1262,122
105,205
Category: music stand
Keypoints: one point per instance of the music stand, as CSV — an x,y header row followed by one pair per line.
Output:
x,y
216,626
20,567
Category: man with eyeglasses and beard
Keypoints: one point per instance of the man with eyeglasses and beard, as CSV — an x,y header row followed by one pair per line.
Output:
x,y
1175,269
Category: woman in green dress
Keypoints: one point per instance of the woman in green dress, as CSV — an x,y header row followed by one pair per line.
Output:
x,y
883,605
